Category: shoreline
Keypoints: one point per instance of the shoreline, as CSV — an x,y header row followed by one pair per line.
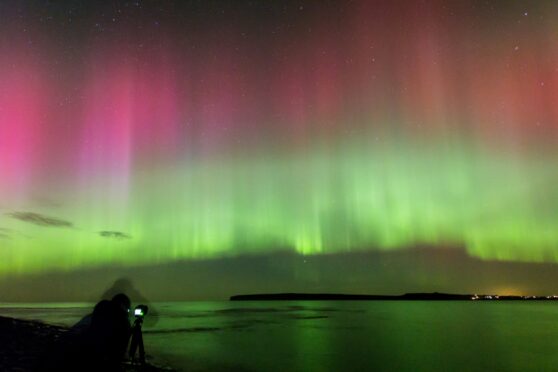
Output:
x,y
23,344
429,296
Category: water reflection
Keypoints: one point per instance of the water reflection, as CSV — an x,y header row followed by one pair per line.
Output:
x,y
348,336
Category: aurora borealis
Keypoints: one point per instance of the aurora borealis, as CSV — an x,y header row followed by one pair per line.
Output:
x,y
140,133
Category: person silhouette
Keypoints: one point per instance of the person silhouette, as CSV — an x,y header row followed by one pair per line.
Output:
x,y
110,330
98,342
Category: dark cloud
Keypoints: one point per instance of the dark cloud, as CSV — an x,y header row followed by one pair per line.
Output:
x,y
114,235
39,219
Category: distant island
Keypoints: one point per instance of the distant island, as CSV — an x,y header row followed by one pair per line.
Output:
x,y
435,296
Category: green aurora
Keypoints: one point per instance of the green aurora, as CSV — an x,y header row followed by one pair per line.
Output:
x,y
356,195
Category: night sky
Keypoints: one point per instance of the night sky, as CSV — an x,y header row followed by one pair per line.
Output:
x,y
208,148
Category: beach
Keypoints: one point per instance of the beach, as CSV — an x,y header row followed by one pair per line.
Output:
x,y
23,344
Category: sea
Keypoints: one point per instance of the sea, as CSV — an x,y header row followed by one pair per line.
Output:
x,y
338,335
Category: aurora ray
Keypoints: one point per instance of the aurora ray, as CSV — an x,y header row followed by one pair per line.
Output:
x,y
159,136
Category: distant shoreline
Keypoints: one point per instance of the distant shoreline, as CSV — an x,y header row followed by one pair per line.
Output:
x,y
435,296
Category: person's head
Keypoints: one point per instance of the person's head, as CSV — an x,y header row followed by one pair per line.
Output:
x,y
122,302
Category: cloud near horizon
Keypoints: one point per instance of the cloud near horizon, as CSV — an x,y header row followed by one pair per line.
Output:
x,y
40,219
114,235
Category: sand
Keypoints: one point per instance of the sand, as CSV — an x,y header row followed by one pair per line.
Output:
x,y
23,345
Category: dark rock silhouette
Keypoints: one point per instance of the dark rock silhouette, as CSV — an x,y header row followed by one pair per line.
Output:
x,y
24,343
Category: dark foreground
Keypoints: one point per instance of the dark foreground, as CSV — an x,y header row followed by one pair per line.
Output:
x,y
23,344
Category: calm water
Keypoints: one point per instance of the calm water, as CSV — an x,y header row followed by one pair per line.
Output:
x,y
341,336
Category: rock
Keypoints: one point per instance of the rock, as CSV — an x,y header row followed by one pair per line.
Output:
x,y
24,343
